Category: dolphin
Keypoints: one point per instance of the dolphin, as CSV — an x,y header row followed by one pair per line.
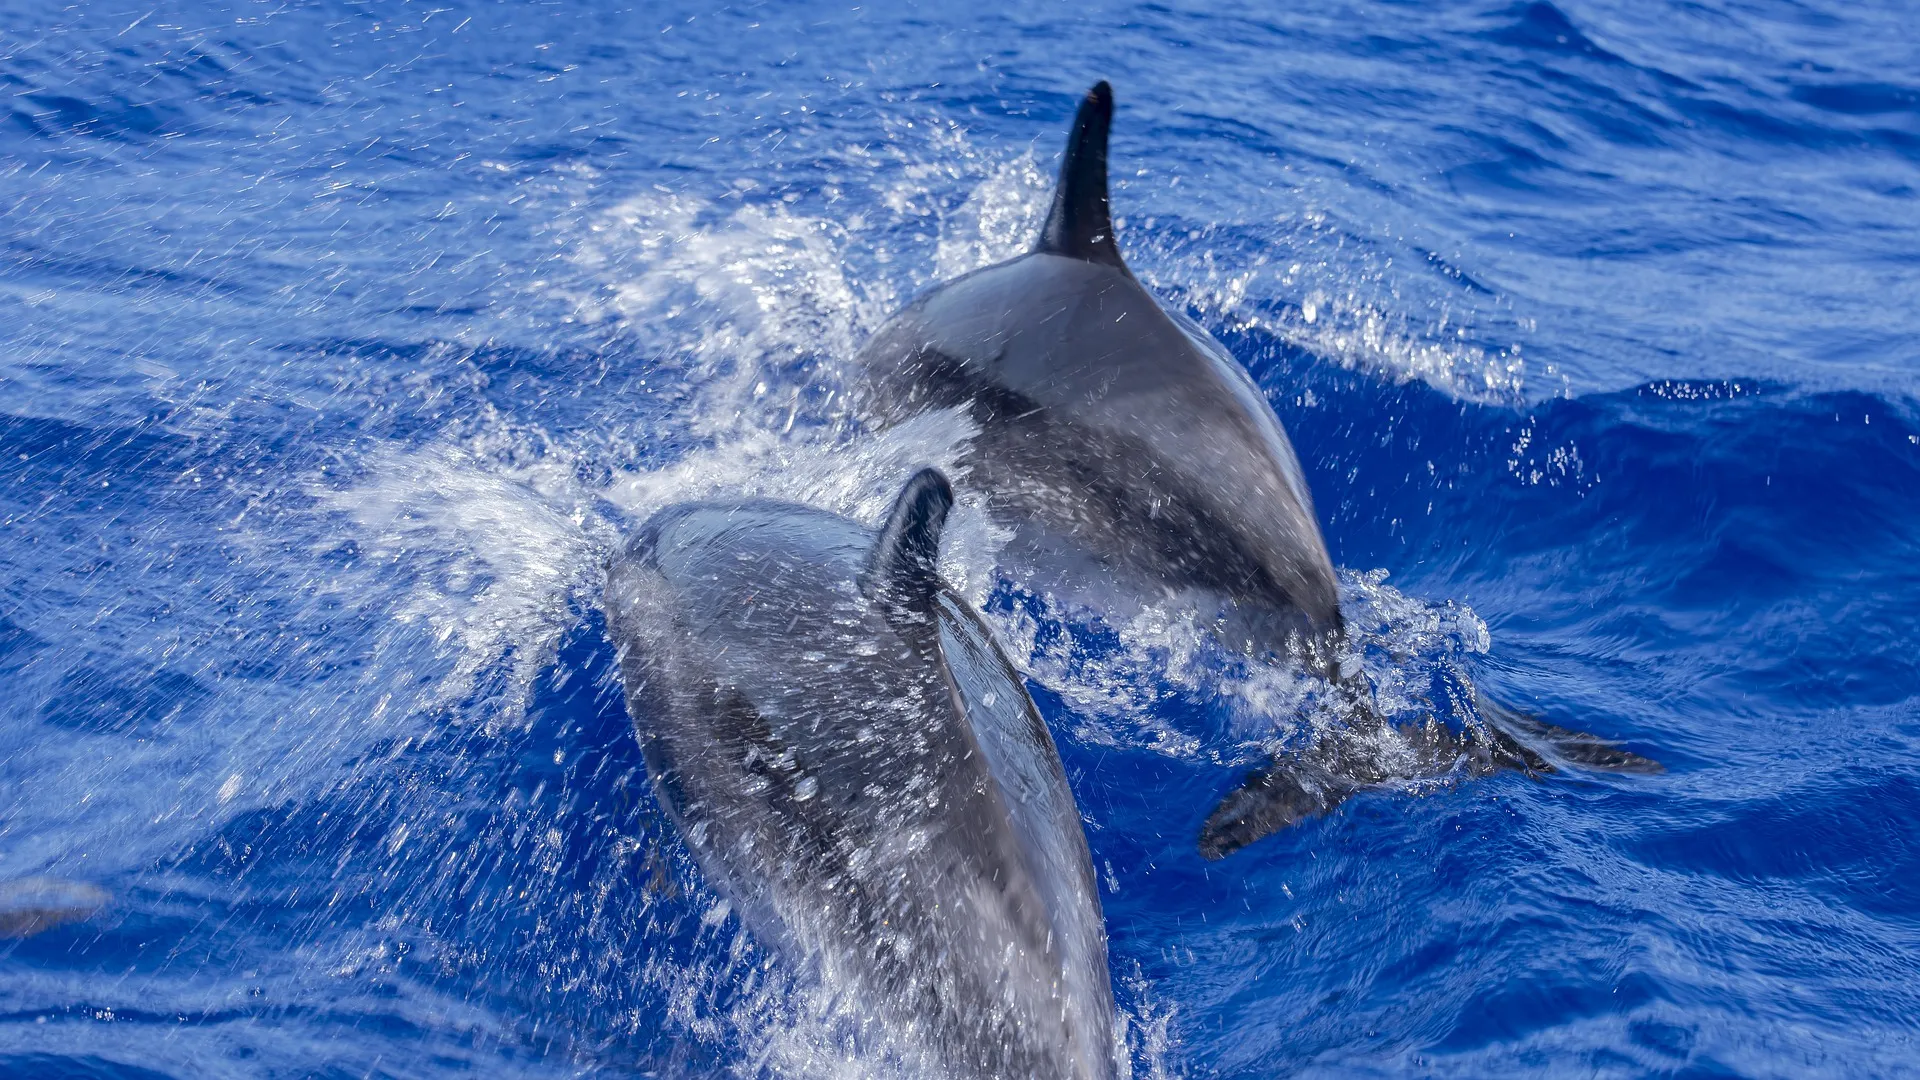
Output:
x,y
1126,431
854,762
34,905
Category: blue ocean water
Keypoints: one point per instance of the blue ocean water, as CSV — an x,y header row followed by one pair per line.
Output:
x,y
339,342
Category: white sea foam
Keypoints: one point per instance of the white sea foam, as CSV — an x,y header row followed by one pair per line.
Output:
x,y
1351,331
1305,282
740,295
1120,669
763,302
492,552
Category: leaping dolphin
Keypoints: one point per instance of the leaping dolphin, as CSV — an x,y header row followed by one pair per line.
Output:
x,y
856,764
1126,429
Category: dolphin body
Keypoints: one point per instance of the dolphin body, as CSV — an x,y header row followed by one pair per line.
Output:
x,y
1131,433
855,763
34,905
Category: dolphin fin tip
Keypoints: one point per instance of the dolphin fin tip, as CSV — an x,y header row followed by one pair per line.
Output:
x,y
1528,735
1080,222
1606,756
1276,798
904,563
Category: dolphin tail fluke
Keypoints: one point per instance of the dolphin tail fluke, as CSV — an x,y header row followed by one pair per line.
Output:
x,y
1271,800
1080,224
904,566
1533,746
1293,790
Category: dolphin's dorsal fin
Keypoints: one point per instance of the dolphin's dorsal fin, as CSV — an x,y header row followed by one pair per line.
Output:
x,y
904,566
1080,225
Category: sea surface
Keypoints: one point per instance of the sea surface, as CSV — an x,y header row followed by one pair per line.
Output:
x,y
341,341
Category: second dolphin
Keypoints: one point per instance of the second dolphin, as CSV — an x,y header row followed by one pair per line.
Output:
x,y
1129,432
856,764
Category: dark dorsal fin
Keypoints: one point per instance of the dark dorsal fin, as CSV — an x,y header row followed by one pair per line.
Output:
x,y
904,567
1080,225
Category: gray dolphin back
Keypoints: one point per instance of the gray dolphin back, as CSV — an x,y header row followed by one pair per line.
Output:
x,y
854,762
1109,425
